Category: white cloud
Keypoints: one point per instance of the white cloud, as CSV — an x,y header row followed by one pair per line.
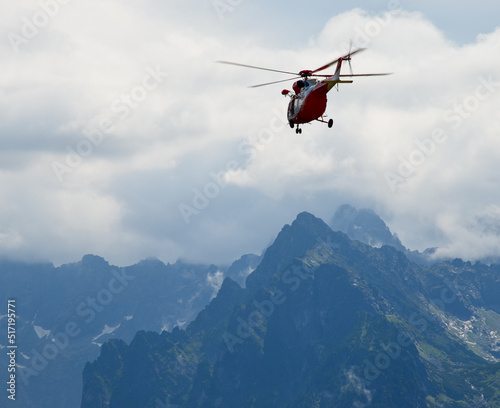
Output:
x,y
121,199
215,281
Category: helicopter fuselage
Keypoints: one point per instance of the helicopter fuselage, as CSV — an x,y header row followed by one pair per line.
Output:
x,y
309,101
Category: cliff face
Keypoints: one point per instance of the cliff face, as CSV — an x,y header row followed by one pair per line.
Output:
x,y
324,321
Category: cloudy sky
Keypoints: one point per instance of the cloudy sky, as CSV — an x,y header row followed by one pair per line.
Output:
x,y
120,136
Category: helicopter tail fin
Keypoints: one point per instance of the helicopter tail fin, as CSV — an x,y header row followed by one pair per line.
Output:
x,y
336,75
335,78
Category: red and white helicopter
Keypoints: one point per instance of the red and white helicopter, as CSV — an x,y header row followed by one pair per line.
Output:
x,y
308,102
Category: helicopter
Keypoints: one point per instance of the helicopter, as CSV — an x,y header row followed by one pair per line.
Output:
x,y
309,97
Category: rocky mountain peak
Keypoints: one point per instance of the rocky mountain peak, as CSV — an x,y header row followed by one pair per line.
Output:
x,y
365,226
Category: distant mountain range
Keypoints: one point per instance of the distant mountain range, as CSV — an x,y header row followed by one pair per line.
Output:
x,y
270,335
325,320
66,313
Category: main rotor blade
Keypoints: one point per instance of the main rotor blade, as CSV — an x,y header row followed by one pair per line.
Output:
x,y
335,61
351,75
274,82
361,75
254,67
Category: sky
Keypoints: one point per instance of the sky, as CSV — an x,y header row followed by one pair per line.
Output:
x,y
120,136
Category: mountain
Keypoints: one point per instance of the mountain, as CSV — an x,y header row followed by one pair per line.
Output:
x,y
366,226
240,269
65,314
324,321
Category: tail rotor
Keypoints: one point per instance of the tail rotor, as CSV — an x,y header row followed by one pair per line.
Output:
x,y
349,56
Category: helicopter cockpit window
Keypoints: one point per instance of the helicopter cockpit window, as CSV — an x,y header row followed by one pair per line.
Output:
x,y
309,82
296,105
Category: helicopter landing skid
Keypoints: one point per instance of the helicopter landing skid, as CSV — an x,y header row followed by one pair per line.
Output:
x,y
329,123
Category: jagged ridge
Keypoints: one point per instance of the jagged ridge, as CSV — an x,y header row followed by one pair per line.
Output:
x,y
324,321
